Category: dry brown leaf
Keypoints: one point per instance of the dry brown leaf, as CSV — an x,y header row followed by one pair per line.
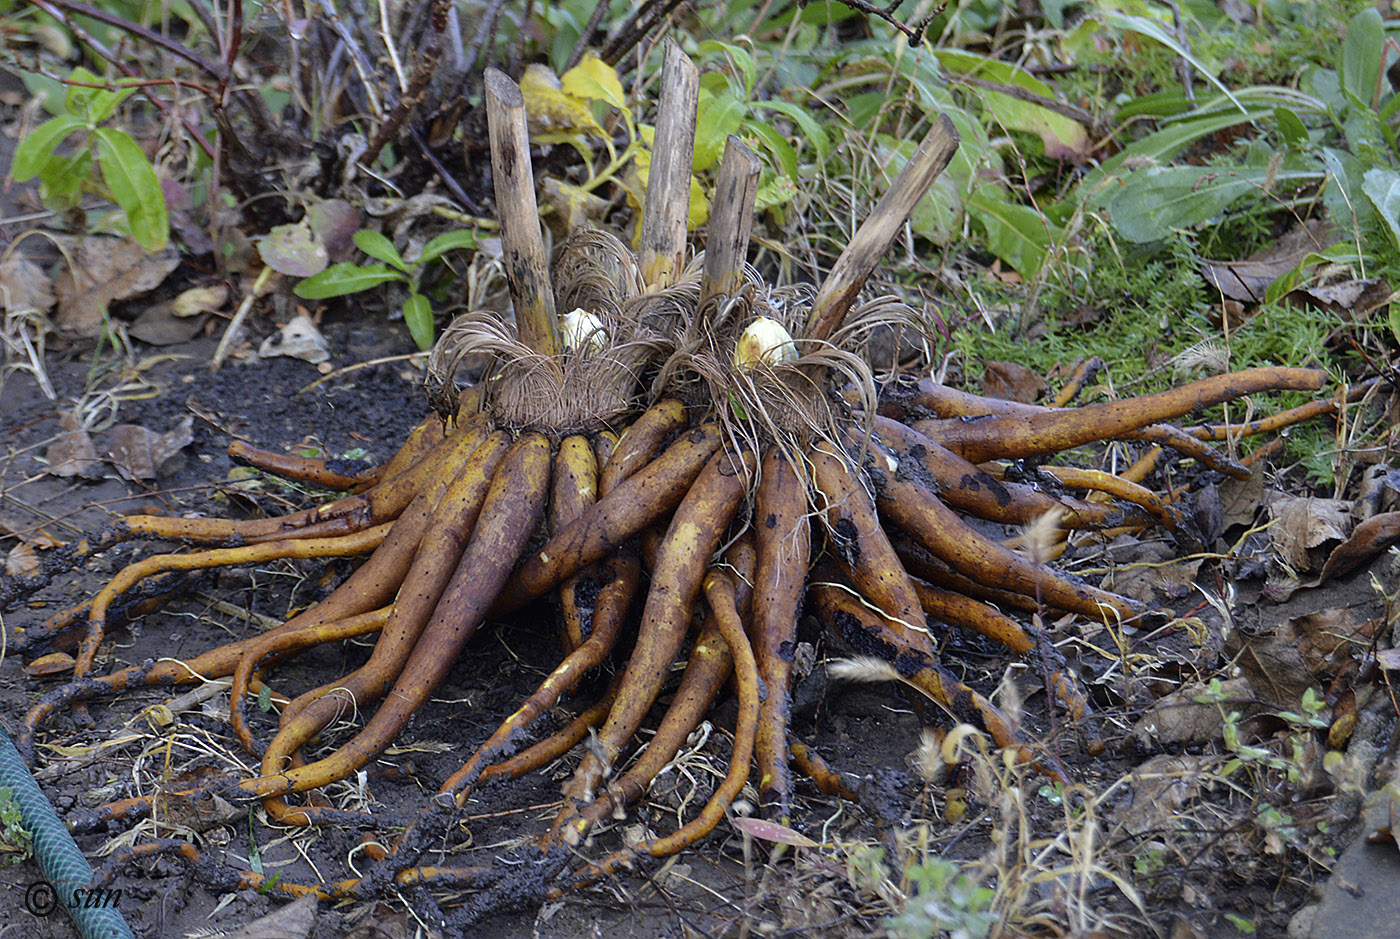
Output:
x,y
1328,639
1240,499
293,921
24,285
1247,280
1302,524
1178,718
765,830
106,270
385,923
1011,382
73,453
198,811
28,533
1149,571
1158,790
1274,666
199,300
139,453
1369,539
21,560
1348,298
159,325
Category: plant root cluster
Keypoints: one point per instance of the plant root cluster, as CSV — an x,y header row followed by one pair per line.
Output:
x,y
747,492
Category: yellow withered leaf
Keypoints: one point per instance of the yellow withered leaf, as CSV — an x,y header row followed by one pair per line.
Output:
x,y
698,212
550,109
595,80
55,663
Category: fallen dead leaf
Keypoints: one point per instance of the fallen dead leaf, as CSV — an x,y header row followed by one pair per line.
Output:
x,y
139,453
1378,493
1370,538
765,830
1274,665
1302,524
159,325
1389,659
73,453
293,921
299,339
21,560
1178,718
1327,640
24,285
1352,299
106,270
1240,499
385,923
197,300
28,533
1011,382
1247,280
1158,790
197,811
1149,571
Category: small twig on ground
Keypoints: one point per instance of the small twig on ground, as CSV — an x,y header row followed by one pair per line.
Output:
x,y
406,357
235,325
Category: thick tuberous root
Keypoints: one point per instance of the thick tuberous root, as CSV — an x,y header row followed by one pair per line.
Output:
x,y
676,484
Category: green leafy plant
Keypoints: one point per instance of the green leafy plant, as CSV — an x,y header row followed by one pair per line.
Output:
x,y
1329,140
946,899
16,843
108,162
345,278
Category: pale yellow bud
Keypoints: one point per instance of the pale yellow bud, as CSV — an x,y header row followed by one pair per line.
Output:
x,y
764,340
584,331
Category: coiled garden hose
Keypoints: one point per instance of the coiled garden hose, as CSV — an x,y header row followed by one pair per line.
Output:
x,y
65,868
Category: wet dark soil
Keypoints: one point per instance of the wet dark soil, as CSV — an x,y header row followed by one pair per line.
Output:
x,y
867,730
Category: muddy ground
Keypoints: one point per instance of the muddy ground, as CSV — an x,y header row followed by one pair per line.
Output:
x,y
867,730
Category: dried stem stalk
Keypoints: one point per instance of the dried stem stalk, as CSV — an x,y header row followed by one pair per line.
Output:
x,y
527,266
731,222
662,254
875,234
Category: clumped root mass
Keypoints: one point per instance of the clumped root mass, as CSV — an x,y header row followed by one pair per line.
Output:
x,y
765,478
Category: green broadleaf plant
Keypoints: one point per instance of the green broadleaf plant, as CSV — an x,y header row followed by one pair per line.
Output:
x,y
127,176
345,278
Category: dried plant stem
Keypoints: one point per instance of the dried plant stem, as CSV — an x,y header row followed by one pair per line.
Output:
x,y
662,254
527,266
426,63
731,222
874,236
235,325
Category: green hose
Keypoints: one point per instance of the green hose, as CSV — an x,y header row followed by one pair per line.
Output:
x,y
66,869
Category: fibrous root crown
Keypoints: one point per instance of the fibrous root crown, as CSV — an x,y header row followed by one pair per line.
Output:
x,y
765,478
